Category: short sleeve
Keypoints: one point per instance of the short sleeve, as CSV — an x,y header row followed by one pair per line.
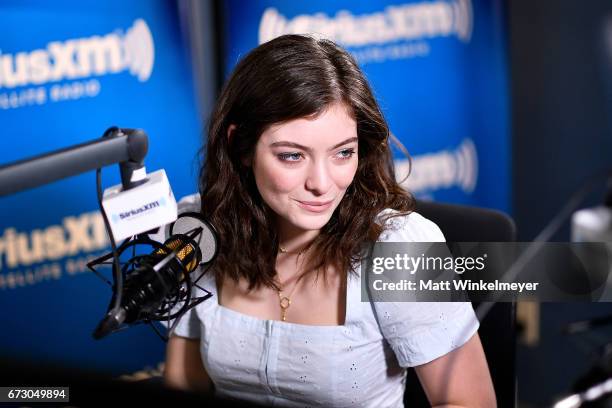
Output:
x,y
419,332
188,325
408,228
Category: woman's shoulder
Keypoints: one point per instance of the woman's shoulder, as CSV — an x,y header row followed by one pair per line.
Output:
x,y
189,203
411,227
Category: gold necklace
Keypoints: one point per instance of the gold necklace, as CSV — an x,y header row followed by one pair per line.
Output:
x,y
285,301
285,251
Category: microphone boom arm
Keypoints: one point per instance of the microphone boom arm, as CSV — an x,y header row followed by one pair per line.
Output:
x,y
128,147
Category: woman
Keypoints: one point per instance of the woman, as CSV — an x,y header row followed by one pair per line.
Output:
x,y
297,176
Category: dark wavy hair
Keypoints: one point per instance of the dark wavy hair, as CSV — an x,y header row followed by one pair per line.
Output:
x,y
291,77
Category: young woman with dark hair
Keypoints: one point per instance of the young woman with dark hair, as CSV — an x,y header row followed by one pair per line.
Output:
x,y
297,176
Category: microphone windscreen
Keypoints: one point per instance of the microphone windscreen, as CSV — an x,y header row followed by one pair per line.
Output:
x,y
207,240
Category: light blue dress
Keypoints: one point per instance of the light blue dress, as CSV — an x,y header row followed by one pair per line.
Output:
x,y
359,364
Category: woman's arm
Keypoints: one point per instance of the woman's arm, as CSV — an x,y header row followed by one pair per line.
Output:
x,y
184,368
459,379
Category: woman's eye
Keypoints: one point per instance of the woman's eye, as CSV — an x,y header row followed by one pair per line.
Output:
x,y
345,154
290,157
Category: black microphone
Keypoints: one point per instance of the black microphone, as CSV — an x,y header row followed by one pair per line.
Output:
x,y
159,276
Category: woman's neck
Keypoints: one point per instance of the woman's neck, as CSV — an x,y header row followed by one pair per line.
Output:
x,y
292,239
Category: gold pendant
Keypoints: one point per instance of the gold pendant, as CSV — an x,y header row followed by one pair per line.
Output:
x,y
285,302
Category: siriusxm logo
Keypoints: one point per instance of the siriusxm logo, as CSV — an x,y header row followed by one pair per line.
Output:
x,y
443,169
139,210
412,21
83,233
81,58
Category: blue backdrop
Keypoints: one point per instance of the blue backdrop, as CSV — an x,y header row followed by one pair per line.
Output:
x,y
438,69
68,71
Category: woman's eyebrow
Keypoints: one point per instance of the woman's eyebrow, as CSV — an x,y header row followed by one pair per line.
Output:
x,y
308,149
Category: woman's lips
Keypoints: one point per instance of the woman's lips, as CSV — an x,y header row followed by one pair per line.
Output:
x,y
315,206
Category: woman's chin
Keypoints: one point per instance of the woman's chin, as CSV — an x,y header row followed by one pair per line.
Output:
x,y
310,222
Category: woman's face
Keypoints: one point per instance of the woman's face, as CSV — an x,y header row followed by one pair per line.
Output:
x,y
303,167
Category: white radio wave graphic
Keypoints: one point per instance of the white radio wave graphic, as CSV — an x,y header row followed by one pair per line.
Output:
x,y
463,19
139,51
442,169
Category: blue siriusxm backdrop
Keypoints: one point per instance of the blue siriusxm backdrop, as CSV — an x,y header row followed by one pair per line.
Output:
x,y
438,69
71,69
68,71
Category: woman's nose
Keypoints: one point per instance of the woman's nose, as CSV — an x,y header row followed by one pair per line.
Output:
x,y
319,178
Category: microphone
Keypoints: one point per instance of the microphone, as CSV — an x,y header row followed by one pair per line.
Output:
x,y
157,277
156,284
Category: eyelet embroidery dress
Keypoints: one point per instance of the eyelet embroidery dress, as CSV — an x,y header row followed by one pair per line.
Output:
x,y
358,364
